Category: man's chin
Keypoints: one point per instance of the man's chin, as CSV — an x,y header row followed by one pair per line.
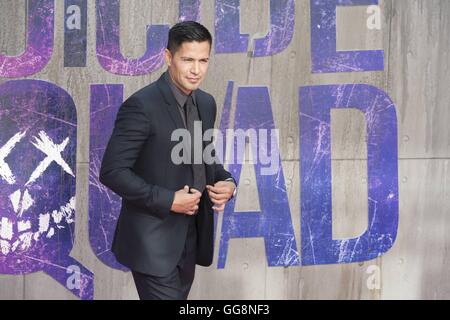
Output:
x,y
193,85
193,88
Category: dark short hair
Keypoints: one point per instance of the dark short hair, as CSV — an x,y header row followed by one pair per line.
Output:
x,y
187,31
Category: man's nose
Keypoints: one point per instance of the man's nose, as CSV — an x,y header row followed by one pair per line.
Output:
x,y
195,69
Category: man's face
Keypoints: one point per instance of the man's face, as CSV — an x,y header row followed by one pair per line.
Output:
x,y
188,66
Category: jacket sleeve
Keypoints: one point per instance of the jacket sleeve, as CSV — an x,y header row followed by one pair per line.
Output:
x,y
132,129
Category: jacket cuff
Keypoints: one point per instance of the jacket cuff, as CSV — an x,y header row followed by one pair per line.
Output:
x,y
164,200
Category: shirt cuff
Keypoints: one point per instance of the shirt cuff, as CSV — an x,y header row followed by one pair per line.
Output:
x,y
235,187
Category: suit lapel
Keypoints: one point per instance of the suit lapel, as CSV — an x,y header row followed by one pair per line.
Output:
x,y
204,111
172,105
172,108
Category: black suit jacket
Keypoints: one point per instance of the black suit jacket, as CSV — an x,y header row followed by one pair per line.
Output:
x,y
137,165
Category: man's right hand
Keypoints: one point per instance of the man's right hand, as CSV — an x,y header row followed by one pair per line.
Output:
x,y
185,202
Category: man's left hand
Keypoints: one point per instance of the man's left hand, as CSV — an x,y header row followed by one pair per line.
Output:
x,y
220,193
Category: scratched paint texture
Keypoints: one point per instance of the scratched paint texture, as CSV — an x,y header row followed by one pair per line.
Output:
x,y
109,52
75,33
416,45
228,36
316,205
37,192
104,205
39,47
324,57
273,221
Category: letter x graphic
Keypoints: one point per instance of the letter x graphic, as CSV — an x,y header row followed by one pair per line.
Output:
x,y
53,152
43,143
5,170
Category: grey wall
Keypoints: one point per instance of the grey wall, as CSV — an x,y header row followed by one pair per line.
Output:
x,y
414,36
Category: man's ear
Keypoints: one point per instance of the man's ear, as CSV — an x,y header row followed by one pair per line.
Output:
x,y
168,57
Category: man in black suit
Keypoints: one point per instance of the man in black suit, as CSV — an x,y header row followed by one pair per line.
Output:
x,y
166,221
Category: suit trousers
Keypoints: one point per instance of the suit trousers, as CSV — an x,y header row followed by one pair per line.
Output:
x,y
177,284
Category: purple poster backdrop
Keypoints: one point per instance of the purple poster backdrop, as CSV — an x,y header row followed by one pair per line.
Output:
x,y
75,32
230,40
189,10
227,22
104,205
108,39
282,23
318,247
108,43
39,46
38,130
223,126
324,56
273,222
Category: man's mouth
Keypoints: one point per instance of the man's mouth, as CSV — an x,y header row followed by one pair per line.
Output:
x,y
193,80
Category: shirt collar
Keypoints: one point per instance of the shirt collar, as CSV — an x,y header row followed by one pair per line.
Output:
x,y
179,95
